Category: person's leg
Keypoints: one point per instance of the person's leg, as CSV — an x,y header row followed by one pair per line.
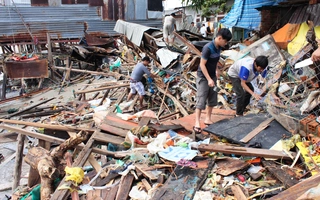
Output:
x,y
237,88
212,101
208,120
198,115
132,91
202,94
140,88
141,100
165,34
247,96
171,36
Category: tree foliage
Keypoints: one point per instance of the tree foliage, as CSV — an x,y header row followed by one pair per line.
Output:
x,y
206,6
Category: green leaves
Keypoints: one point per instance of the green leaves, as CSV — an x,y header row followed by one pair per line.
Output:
x,y
208,7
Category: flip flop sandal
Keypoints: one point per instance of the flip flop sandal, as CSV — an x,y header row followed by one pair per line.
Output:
x,y
207,124
197,130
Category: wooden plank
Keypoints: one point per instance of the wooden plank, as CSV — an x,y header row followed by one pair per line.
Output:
x,y
227,166
146,184
257,130
183,183
113,130
144,121
188,44
265,153
115,74
18,161
149,174
299,189
103,88
286,179
163,127
29,108
112,193
105,95
125,187
48,126
120,123
106,138
238,193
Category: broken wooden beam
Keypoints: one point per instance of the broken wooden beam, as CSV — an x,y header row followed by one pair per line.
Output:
x,y
257,130
117,75
299,189
103,88
176,102
42,113
125,187
277,171
188,44
18,161
113,130
29,108
26,95
56,140
48,126
238,193
265,153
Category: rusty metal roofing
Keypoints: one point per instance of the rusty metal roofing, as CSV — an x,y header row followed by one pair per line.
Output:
x,y
307,12
66,22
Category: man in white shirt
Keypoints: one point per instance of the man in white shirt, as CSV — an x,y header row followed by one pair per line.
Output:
x,y
241,73
203,30
169,26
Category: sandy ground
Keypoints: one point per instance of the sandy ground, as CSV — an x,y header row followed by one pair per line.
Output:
x,y
7,149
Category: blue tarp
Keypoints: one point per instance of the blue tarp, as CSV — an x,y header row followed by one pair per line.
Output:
x,y
244,14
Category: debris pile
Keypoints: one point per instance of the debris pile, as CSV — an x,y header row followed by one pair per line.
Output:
x,y
87,141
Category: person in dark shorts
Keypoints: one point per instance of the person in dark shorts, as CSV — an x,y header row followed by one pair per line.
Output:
x,y
207,77
241,73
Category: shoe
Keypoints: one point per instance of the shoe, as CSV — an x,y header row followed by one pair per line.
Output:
x,y
197,130
207,124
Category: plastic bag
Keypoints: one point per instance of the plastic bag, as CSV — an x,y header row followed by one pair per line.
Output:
x,y
74,174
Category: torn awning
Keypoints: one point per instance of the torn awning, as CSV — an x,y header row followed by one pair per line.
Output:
x,y
243,14
134,32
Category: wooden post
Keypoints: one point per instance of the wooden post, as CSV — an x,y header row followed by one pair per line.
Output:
x,y
4,86
50,58
18,162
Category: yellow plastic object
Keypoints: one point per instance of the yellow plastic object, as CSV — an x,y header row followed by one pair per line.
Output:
x,y
291,142
299,41
317,30
307,160
74,174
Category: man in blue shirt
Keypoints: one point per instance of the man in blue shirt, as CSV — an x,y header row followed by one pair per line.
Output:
x,y
135,80
241,73
206,77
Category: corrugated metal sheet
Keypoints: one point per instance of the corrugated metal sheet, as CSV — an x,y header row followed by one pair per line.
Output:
x,y
244,14
307,12
61,22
